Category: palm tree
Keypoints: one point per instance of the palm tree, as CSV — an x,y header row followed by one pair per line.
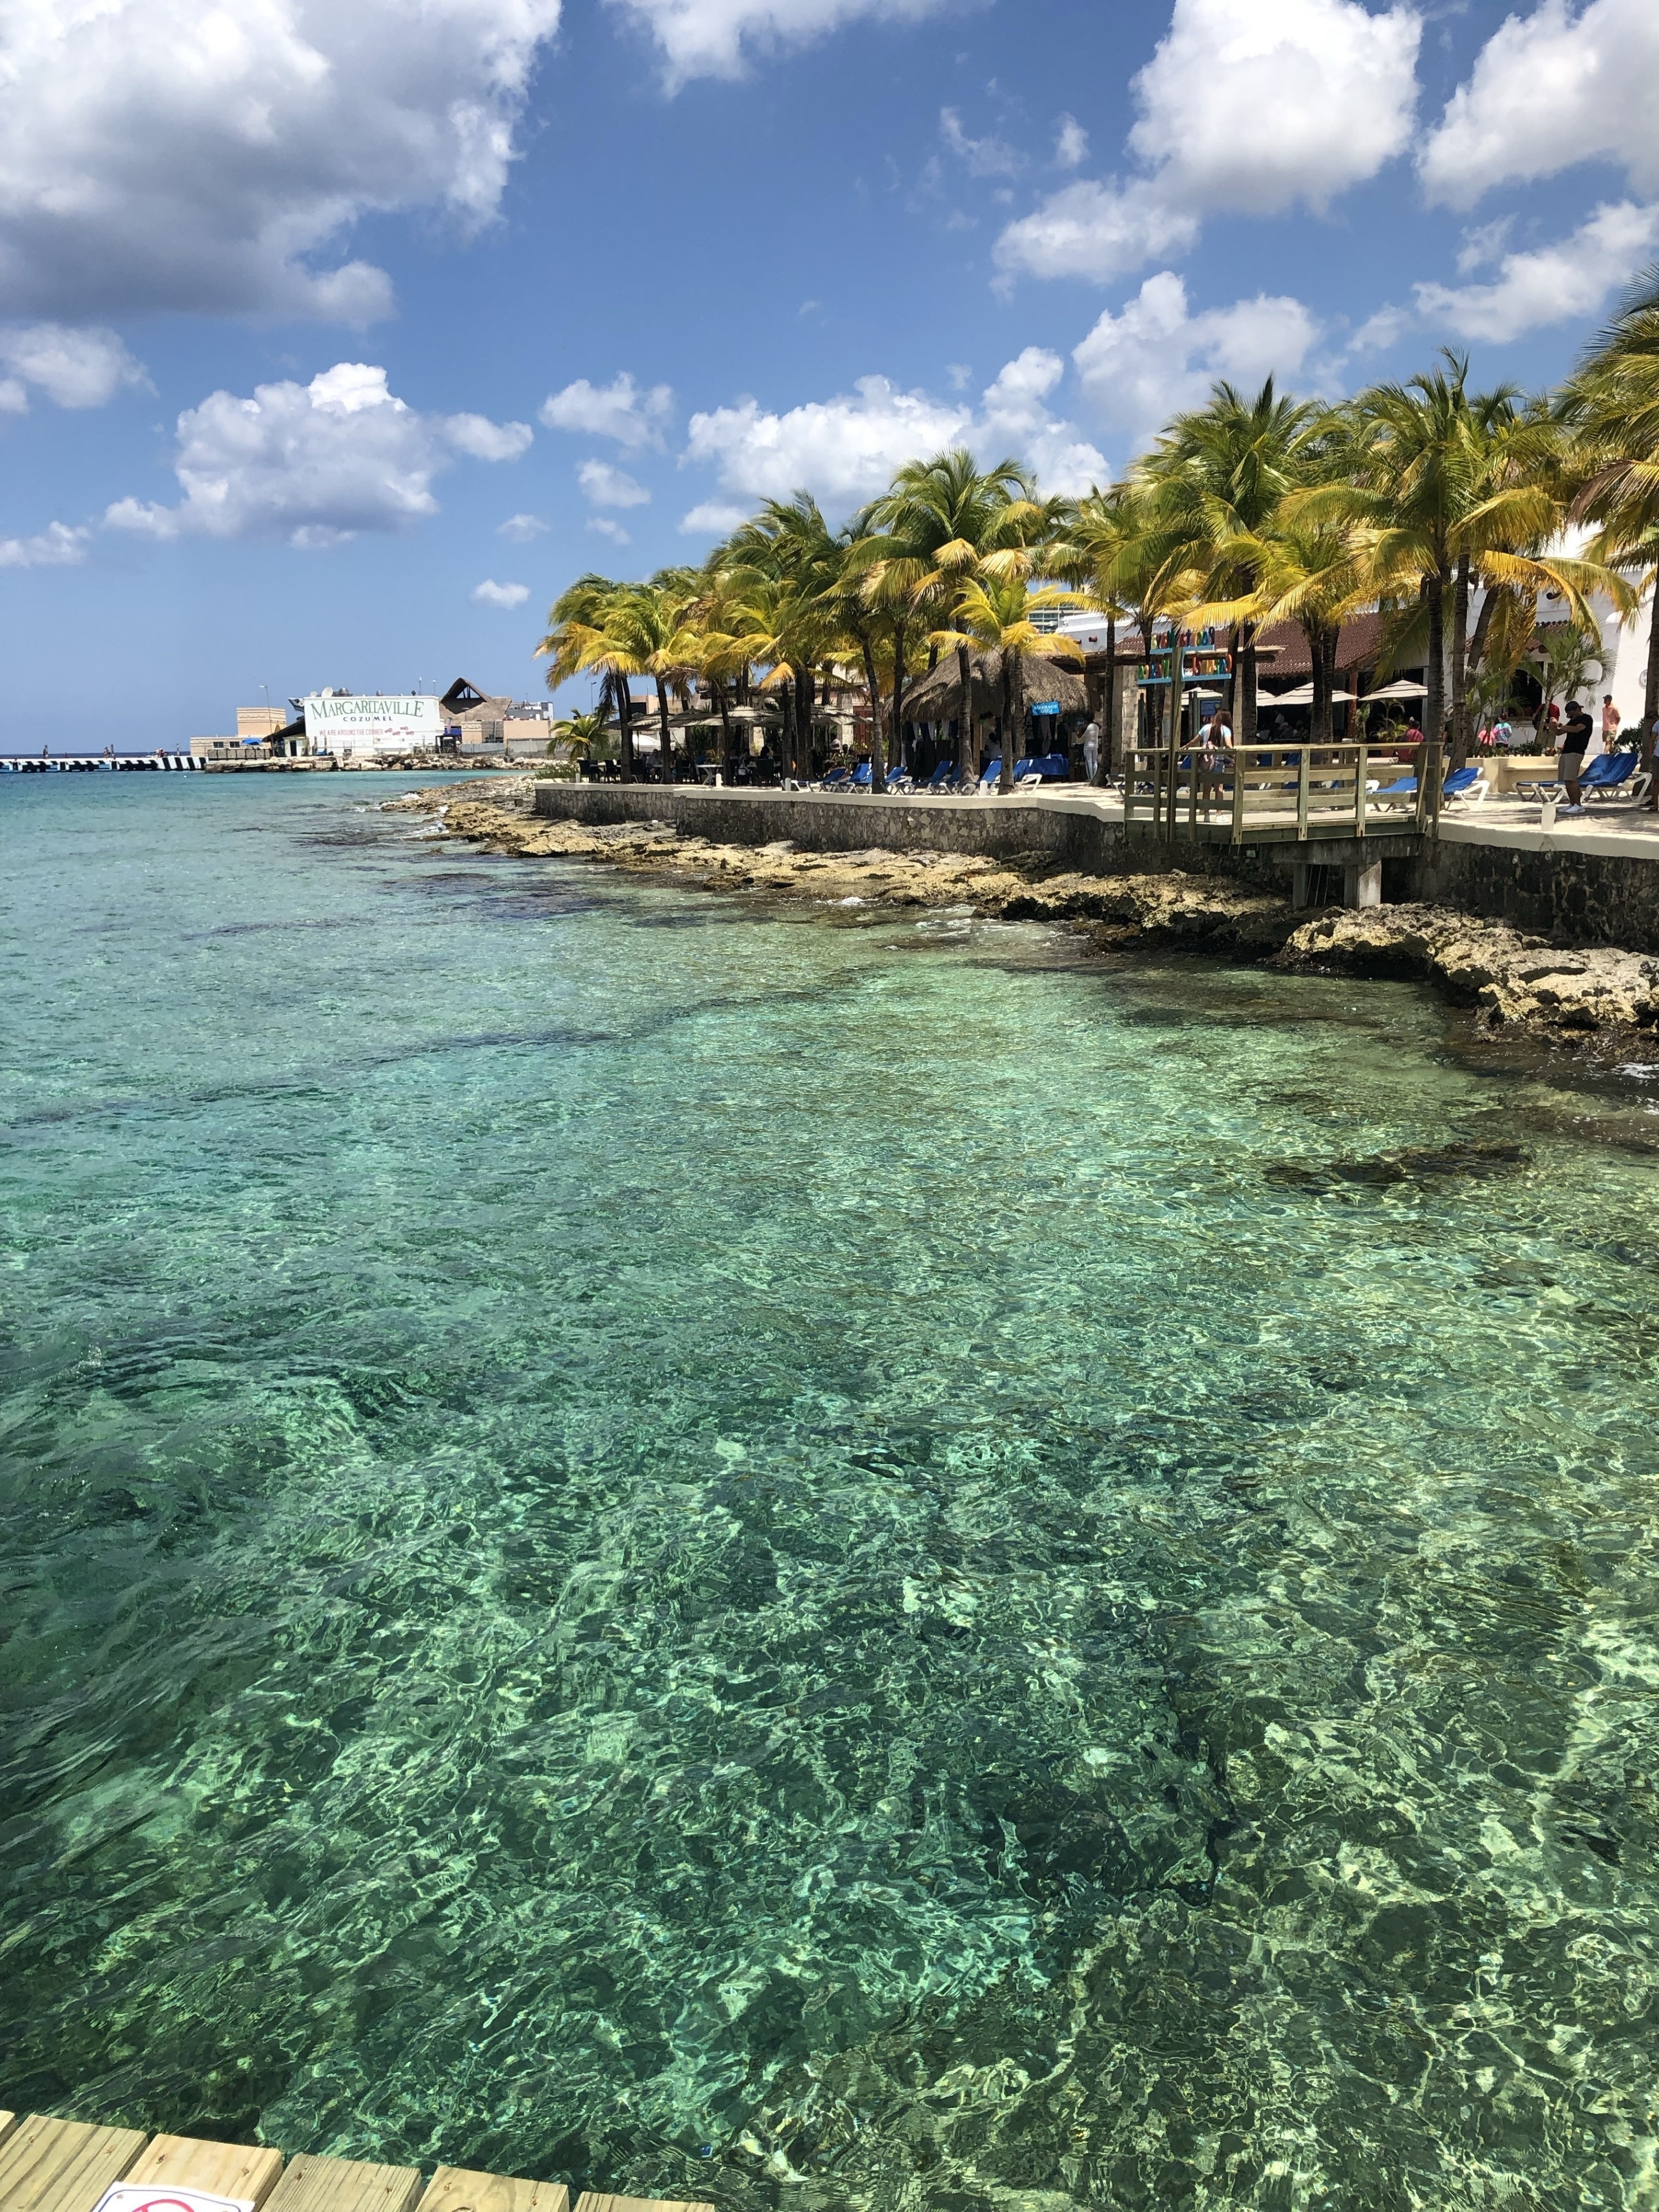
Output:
x,y
941,517
1612,401
1307,566
1216,476
1121,550
1462,492
993,615
785,561
585,633
578,734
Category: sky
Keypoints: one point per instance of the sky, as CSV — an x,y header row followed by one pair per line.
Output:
x,y
337,335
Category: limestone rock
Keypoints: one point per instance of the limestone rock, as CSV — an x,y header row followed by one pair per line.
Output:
x,y
1514,979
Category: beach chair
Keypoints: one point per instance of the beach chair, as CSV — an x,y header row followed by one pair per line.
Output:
x,y
898,779
1621,777
838,779
1468,783
943,774
860,779
993,775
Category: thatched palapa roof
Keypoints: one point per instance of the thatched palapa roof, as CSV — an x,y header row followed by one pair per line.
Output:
x,y
1037,682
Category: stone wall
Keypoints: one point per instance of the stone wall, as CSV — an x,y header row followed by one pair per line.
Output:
x,y
1570,898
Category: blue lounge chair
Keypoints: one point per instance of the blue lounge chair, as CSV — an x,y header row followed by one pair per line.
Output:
x,y
898,779
943,773
838,779
1621,775
993,775
860,779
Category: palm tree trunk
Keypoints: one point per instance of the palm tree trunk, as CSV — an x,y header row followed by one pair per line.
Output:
x,y
726,733
1109,764
625,723
1434,707
803,705
667,755
1245,728
1319,714
872,681
1006,730
1460,664
878,756
1651,692
965,765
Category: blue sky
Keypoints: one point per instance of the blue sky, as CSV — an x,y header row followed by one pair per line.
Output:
x,y
336,336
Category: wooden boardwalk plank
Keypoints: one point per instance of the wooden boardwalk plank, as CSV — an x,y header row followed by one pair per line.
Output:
x,y
8,2122
454,2189
588,2202
343,2184
61,2165
222,2169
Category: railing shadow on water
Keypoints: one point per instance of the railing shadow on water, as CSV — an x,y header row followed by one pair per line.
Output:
x,y
1258,792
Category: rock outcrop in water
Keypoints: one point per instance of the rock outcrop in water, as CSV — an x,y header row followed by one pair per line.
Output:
x,y
1515,981
1202,911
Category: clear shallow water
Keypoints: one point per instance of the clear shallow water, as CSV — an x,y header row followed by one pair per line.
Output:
x,y
851,1566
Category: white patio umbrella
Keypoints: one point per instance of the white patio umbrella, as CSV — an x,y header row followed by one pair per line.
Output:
x,y
1402,689
1303,697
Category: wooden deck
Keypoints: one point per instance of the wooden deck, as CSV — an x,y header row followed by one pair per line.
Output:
x,y
1280,793
64,2166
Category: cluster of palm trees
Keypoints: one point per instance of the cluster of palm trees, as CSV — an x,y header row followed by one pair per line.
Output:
x,y
1448,510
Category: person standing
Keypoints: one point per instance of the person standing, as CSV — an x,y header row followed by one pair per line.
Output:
x,y
1610,721
1091,751
1575,740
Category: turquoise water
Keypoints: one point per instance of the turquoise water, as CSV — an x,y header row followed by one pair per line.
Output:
x,y
817,1562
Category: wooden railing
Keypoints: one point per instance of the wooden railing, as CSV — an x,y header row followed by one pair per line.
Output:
x,y
1279,791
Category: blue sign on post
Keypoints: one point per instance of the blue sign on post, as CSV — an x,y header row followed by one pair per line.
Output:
x,y
1046,707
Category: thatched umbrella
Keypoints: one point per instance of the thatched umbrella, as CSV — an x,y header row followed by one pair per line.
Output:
x,y
1036,680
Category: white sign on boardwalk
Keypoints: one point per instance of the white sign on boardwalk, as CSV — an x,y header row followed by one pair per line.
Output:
x,y
370,722
161,2196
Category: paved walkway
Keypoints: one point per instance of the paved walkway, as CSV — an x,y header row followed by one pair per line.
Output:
x,y
1611,828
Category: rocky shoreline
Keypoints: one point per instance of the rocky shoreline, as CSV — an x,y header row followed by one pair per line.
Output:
x,y
1514,983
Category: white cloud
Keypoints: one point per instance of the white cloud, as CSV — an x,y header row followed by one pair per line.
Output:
x,y
983,157
603,526
14,397
314,464
1547,284
1484,245
1141,365
1328,89
1071,143
490,593
618,409
168,155
74,368
713,518
521,528
486,441
845,450
57,546
1096,231
1014,418
718,38
1548,90
609,487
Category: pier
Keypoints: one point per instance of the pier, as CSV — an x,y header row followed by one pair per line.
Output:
x,y
50,2165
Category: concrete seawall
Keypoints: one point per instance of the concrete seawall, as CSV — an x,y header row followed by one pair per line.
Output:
x,y
1592,885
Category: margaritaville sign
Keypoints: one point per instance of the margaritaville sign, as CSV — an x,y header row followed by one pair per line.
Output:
x,y
369,722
